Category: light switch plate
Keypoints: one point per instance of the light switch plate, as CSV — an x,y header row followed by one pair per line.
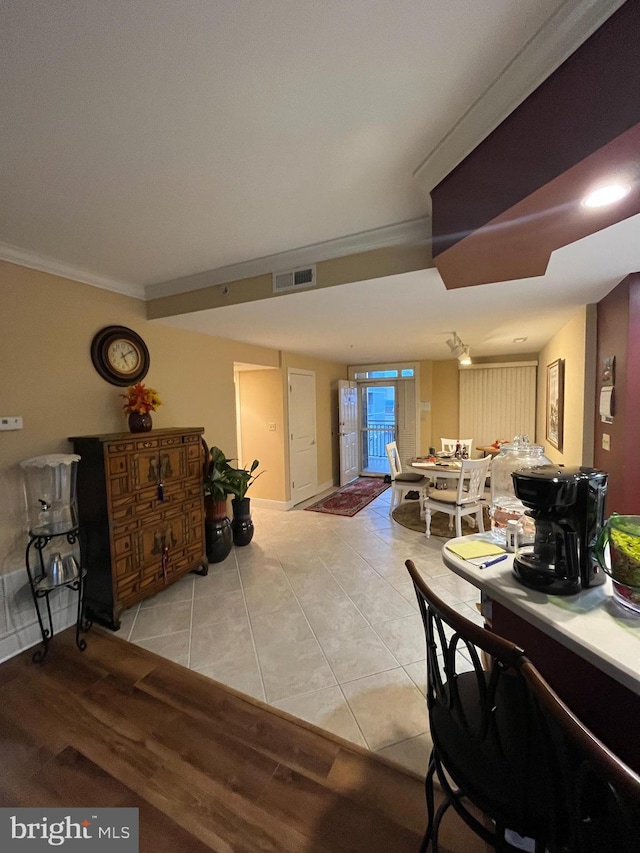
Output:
x,y
606,441
10,423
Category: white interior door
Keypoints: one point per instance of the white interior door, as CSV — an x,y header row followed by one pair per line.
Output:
x,y
303,458
348,430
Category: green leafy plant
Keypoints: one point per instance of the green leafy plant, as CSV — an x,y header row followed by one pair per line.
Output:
x,y
217,483
241,478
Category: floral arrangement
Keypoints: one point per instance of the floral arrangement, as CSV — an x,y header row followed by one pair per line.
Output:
x,y
141,399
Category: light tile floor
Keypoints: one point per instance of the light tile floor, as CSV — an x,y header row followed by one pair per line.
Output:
x,y
317,616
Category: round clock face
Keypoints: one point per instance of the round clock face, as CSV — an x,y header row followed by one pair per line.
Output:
x,y
120,355
124,356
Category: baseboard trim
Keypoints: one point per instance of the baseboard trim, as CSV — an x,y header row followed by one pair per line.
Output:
x,y
285,506
264,503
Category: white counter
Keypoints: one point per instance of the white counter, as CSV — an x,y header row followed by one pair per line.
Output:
x,y
590,623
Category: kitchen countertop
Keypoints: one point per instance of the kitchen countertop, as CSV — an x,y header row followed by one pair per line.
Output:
x,y
590,623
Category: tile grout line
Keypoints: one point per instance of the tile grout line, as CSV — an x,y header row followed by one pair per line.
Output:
x,y
322,652
193,598
251,634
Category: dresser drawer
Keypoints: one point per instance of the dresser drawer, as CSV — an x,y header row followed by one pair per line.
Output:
x,y
171,441
194,451
123,566
120,447
123,545
147,443
126,586
117,464
149,580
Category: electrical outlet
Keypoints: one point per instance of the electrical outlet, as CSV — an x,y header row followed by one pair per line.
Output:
x,y
11,423
272,427
606,441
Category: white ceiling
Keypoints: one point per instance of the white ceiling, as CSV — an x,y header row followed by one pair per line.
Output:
x,y
147,140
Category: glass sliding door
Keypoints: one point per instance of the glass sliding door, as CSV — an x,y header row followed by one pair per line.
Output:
x,y
377,425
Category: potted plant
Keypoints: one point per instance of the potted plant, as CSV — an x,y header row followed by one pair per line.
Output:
x,y
140,401
216,487
239,481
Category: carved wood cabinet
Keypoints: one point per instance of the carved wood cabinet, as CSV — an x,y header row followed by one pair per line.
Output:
x,y
140,506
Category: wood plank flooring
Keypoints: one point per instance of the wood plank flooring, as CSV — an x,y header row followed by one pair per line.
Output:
x,y
208,768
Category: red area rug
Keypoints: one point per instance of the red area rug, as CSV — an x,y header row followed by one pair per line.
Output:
x,y
351,498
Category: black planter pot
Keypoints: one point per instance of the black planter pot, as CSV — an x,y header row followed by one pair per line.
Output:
x,y
218,539
242,525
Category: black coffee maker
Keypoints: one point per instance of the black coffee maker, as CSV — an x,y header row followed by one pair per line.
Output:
x,y
567,506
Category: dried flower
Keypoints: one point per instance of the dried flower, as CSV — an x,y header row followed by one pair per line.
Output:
x,y
140,399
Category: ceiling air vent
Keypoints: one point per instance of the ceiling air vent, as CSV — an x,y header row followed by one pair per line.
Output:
x,y
294,279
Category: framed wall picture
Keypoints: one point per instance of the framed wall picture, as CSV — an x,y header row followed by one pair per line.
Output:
x,y
555,403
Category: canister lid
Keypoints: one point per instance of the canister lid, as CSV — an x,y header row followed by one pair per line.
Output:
x,y
52,460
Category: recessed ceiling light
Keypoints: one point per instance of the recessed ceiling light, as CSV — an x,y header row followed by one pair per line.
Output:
x,y
606,195
519,340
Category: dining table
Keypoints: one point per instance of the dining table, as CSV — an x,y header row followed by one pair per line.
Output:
x,y
443,471
442,467
449,468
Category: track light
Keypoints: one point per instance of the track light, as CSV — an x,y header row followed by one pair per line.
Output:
x,y
455,345
458,349
464,357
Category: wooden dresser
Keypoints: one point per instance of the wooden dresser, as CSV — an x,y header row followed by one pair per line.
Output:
x,y
141,515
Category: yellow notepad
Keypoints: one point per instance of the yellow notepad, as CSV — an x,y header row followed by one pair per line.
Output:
x,y
475,548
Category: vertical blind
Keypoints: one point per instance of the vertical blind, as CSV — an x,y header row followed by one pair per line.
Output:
x,y
406,438
497,402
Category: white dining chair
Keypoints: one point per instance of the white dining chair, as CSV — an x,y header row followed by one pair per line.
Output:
x,y
402,483
466,499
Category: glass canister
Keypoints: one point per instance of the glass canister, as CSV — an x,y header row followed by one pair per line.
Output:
x,y
50,492
505,506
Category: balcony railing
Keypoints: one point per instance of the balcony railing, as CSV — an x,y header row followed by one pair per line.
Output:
x,y
374,437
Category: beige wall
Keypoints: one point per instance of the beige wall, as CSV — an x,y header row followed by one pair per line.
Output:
x,y
569,343
260,404
445,411
47,377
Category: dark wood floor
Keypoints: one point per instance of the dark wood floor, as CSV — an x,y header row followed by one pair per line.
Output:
x,y
208,768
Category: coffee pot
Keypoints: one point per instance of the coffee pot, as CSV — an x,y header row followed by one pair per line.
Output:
x,y
567,508
617,552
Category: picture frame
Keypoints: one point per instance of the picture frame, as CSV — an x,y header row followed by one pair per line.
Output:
x,y
555,403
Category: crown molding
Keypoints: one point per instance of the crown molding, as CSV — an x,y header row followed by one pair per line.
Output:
x,y
561,34
412,232
16,255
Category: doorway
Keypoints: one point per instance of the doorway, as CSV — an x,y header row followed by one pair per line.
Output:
x,y
387,411
303,459
377,425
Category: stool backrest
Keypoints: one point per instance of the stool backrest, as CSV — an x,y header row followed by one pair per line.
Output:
x,y
485,731
601,795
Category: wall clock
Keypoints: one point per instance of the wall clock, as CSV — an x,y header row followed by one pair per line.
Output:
x,y
120,355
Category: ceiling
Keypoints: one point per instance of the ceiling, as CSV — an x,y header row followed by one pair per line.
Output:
x,y
149,140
